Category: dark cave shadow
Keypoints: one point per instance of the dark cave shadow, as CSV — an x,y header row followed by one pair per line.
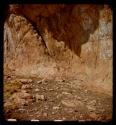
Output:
x,y
75,32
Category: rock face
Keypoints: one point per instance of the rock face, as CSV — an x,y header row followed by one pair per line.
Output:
x,y
48,40
67,23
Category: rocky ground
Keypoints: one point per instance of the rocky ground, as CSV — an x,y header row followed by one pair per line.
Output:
x,y
55,99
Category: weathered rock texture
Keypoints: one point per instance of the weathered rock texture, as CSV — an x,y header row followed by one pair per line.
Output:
x,y
59,40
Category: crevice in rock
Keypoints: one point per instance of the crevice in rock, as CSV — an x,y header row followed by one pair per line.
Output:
x,y
37,29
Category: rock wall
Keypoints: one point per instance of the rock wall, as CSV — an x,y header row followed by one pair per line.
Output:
x,y
58,40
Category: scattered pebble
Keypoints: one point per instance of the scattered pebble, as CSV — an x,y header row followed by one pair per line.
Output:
x,y
81,116
39,82
26,86
7,104
91,108
59,96
53,113
55,107
30,80
93,103
45,82
26,96
46,107
93,115
66,93
72,103
79,98
68,103
36,90
26,80
23,91
51,89
21,109
30,97
63,118
39,97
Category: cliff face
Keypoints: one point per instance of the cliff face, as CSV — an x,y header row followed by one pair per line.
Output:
x,y
59,40
60,22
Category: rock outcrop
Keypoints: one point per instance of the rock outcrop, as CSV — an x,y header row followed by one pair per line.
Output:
x,y
58,40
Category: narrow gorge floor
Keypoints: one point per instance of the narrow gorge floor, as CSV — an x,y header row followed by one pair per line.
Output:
x,y
34,98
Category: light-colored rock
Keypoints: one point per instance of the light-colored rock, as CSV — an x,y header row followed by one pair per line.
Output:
x,y
26,86
21,109
53,113
26,80
56,107
93,102
46,107
36,90
79,98
23,91
39,97
7,104
39,82
51,89
72,103
91,108
68,103
66,93
85,100
94,115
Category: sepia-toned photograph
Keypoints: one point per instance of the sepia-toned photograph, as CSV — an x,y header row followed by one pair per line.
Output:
x,y
58,62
